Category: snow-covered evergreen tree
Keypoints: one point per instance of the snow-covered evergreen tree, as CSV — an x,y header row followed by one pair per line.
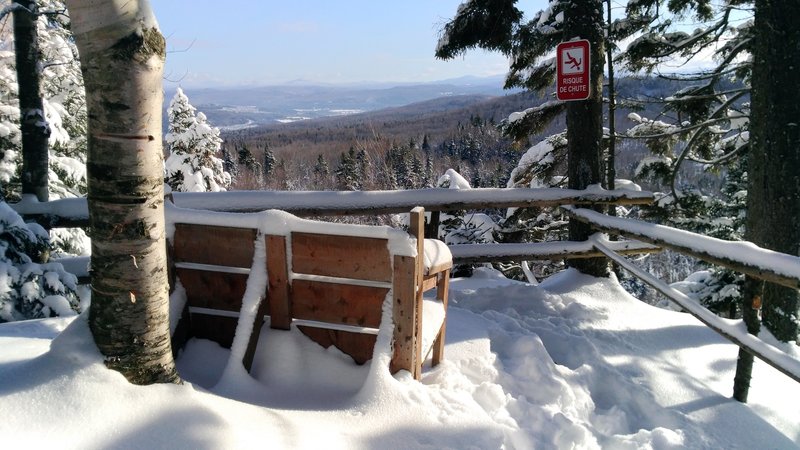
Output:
x,y
30,289
347,172
193,165
65,110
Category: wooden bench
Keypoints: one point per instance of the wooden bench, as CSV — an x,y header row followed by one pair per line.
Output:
x,y
329,280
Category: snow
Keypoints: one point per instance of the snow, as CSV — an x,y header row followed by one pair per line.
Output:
x,y
344,200
453,180
436,253
573,363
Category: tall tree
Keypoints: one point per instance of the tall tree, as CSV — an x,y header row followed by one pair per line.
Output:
x,y
33,125
773,204
584,20
498,25
122,56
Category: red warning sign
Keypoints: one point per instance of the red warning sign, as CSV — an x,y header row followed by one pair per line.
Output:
x,y
572,81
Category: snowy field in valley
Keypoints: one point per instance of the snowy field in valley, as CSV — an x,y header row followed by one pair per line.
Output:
x,y
575,362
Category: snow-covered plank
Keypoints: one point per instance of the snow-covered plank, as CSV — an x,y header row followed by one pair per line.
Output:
x,y
740,256
733,330
474,253
390,202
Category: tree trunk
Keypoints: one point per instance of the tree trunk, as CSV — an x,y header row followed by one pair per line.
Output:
x,y
584,20
751,304
611,170
33,126
773,205
122,57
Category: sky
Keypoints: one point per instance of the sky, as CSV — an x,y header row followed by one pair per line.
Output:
x,y
272,42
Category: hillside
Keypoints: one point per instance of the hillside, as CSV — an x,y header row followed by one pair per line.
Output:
x,y
438,118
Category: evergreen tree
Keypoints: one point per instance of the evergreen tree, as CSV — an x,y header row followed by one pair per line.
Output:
x,y
192,165
269,162
246,158
706,122
321,172
229,164
30,288
64,106
347,173
364,166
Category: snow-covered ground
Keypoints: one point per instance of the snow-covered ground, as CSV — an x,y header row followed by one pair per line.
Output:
x,y
572,363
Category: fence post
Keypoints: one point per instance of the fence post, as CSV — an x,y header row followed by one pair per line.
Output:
x,y
751,304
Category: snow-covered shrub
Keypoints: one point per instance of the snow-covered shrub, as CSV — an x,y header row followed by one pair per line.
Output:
x,y
718,290
29,289
192,165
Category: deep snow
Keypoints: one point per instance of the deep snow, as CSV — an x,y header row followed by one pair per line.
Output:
x,y
574,362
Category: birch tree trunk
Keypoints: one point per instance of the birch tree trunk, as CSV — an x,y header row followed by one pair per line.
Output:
x,y
122,56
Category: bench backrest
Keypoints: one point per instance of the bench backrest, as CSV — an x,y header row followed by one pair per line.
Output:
x,y
331,286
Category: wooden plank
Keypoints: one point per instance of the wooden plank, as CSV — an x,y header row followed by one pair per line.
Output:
x,y
278,283
403,298
429,282
356,257
358,346
215,290
442,293
206,244
337,303
215,328
416,228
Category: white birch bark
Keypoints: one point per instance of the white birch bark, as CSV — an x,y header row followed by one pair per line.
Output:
x,y
122,56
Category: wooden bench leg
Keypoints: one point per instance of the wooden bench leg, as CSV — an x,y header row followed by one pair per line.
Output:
x,y
442,291
403,297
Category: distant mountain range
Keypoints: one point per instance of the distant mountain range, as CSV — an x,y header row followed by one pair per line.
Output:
x,y
244,107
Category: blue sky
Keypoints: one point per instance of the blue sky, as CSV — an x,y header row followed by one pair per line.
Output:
x,y
335,41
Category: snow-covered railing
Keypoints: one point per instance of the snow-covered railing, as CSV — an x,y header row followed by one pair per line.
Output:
x,y
74,212
325,203
481,253
742,257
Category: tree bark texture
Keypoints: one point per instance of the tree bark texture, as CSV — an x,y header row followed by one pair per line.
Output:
x,y
122,57
584,20
33,126
773,205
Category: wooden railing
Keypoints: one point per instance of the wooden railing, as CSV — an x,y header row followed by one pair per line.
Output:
x,y
739,256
